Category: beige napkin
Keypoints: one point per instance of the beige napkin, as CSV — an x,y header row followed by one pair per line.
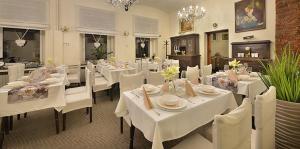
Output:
x,y
232,76
195,81
165,87
189,90
147,101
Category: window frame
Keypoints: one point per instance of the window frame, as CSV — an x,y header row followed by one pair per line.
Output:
x,y
42,42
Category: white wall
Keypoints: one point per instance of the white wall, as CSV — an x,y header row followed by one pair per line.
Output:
x,y
67,47
222,12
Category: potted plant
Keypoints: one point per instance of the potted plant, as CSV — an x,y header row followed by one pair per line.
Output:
x,y
284,74
101,52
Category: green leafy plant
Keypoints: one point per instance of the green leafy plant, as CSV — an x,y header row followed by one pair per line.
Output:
x,y
101,52
283,73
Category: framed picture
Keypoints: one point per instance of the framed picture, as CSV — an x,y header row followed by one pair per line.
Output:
x,y
250,15
225,36
186,26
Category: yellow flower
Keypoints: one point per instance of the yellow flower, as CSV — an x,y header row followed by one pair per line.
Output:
x,y
234,63
170,72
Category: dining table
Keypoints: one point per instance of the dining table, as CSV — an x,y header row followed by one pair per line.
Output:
x,y
159,124
112,72
16,101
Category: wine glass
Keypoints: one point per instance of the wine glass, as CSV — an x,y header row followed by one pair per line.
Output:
x,y
183,74
249,69
226,67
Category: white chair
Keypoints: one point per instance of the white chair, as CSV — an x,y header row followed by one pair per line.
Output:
x,y
129,82
205,71
74,74
230,131
192,73
155,78
15,71
98,83
265,107
79,100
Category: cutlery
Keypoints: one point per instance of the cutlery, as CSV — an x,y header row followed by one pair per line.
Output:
x,y
136,95
157,113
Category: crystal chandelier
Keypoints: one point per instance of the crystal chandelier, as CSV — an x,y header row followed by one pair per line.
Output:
x,y
123,3
190,13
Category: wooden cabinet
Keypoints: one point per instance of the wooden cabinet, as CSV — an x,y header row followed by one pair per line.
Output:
x,y
188,47
252,52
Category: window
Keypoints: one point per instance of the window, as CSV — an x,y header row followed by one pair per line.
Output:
x,y
140,51
27,52
94,42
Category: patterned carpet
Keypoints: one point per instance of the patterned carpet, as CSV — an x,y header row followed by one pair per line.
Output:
x,y
37,131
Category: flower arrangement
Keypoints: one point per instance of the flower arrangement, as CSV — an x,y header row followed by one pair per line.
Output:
x,y
234,64
170,72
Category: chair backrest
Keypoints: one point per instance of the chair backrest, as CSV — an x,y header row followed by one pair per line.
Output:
x,y
233,130
88,81
155,78
131,81
265,108
192,73
206,70
15,71
91,68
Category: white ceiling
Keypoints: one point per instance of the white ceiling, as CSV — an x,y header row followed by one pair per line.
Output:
x,y
167,5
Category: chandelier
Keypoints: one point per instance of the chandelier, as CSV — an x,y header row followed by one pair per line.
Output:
x,y
190,13
123,3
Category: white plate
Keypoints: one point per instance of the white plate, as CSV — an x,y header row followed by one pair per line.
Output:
x,y
181,105
208,93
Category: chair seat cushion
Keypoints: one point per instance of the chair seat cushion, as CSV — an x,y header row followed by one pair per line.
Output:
x,y
194,142
77,101
100,84
75,90
98,75
73,78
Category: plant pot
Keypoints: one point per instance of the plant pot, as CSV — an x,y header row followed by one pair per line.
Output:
x,y
287,125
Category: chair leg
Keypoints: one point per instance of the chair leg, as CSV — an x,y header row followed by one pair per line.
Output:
x,y
94,97
18,117
6,123
132,130
1,134
121,125
111,94
91,114
64,121
87,111
56,121
11,122
25,115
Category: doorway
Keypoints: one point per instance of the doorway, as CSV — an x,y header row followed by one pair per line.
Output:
x,y
217,48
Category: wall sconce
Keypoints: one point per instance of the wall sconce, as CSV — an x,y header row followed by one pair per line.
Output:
x,y
248,37
65,29
215,25
126,33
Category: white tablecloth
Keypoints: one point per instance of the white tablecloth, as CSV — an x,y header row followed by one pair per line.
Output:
x,y
173,125
55,98
113,75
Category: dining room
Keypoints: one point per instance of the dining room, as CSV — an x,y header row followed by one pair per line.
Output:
x,y
149,74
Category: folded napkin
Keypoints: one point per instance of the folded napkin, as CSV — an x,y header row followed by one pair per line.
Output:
x,y
232,76
189,91
165,87
147,101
